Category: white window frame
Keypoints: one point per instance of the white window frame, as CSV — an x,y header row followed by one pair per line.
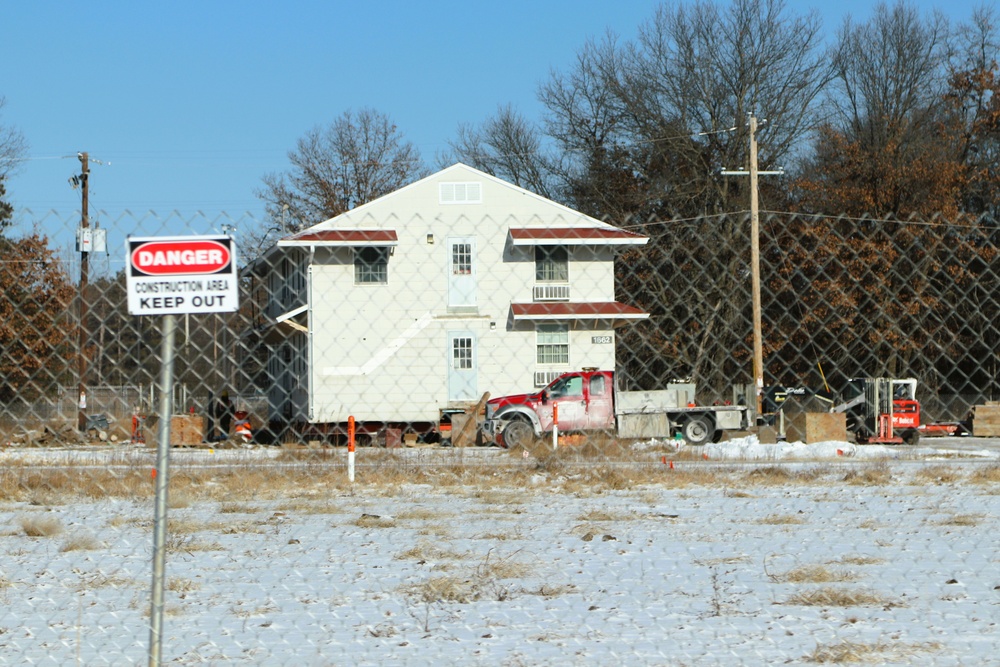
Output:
x,y
545,264
549,340
462,353
371,273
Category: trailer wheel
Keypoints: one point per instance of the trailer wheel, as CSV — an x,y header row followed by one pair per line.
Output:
x,y
697,430
517,433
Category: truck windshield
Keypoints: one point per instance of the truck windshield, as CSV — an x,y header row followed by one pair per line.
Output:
x,y
571,386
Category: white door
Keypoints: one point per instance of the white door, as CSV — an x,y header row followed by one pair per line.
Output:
x,y
462,272
462,366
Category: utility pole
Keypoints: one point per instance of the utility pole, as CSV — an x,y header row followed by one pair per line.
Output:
x,y
758,345
84,276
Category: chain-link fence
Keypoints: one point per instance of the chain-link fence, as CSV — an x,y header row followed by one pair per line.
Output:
x,y
530,380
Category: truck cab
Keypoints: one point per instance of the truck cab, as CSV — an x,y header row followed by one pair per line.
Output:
x,y
581,400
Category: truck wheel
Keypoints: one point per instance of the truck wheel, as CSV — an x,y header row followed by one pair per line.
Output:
x,y
517,433
697,430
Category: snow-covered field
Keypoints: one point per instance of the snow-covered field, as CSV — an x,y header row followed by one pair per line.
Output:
x,y
780,554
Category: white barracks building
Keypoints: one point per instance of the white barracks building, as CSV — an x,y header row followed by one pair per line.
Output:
x,y
426,298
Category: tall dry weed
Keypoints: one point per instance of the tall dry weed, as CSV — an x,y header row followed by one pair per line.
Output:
x,y
840,597
81,542
989,474
41,526
874,474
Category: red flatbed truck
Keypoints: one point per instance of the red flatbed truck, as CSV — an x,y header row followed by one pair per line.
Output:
x,y
587,401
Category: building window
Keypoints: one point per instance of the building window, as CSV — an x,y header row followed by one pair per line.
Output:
x,y
461,259
461,354
553,344
551,264
371,265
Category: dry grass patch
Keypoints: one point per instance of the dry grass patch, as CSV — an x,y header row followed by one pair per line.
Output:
x,y
41,526
486,581
878,653
876,474
180,499
438,530
813,574
188,526
237,508
421,514
779,475
502,567
513,534
425,551
781,520
986,475
262,610
552,590
189,544
937,474
498,497
374,521
48,498
840,597
181,585
858,559
961,520
445,589
81,542
92,580
300,506
243,528
21,484
603,516
723,560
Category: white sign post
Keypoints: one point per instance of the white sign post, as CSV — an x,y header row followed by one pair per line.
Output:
x,y
170,276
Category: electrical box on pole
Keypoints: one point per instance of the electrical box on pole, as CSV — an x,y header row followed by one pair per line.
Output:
x,y
91,239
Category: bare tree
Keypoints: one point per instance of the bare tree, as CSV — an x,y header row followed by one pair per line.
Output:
x,y
507,146
973,98
357,158
670,108
890,74
13,148
890,146
646,125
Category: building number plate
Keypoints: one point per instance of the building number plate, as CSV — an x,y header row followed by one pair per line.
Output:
x,y
600,340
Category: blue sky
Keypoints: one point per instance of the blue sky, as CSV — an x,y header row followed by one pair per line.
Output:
x,y
191,103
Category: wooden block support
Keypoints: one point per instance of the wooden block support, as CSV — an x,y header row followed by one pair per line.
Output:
x,y
463,434
986,420
187,430
766,435
811,427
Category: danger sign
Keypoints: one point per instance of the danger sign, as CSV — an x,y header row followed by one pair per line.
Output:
x,y
181,275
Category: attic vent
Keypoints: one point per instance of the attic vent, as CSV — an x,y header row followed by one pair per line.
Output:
x,y
461,193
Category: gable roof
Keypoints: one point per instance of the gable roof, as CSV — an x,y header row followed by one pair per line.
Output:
x,y
557,216
358,227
